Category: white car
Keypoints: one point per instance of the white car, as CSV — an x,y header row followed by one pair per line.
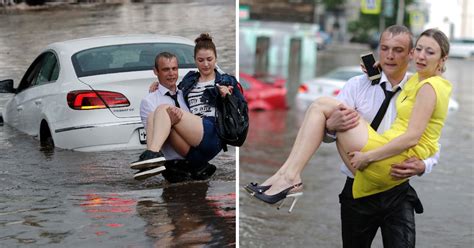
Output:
x,y
463,48
331,84
327,85
85,94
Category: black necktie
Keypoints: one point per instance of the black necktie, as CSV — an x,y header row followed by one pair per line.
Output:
x,y
383,108
174,97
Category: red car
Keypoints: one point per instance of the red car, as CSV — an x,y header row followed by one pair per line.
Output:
x,y
264,93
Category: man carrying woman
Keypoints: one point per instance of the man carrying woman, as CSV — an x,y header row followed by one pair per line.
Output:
x,y
193,134
421,105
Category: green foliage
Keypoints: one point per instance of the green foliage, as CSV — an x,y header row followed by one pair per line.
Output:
x,y
367,26
333,4
362,29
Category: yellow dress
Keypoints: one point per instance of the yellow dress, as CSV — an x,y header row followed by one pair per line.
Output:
x,y
376,177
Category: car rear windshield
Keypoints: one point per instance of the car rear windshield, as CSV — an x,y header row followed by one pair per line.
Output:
x,y
128,57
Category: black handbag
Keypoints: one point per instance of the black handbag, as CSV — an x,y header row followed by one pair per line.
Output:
x,y
232,120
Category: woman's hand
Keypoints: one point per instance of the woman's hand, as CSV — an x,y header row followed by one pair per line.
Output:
x,y
359,160
175,114
224,90
153,87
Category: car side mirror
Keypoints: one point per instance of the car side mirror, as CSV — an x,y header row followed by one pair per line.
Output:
x,y
6,86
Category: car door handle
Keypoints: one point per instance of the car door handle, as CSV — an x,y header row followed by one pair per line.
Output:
x,y
37,102
19,108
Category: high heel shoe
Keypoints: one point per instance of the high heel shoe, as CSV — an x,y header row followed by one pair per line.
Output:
x,y
253,188
295,192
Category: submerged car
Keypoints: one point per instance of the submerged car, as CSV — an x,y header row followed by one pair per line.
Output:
x,y
85,94
331,84
264,93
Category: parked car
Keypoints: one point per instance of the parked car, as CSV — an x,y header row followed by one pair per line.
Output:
x,y
462,48
264,93
327,85
330,84
85,94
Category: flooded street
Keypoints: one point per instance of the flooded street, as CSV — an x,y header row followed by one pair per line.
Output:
x,y
446,193
60,198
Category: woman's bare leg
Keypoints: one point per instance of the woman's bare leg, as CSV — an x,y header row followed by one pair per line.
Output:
x,y
352,140
149,129
308,140
189,128
178,143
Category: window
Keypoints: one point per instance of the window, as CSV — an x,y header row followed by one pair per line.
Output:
x,y
44,69
49,70
128,57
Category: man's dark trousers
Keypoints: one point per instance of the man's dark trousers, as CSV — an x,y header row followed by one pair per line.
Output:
x,y
392,211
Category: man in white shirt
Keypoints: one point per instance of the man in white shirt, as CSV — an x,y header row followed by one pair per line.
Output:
x,y
166,70
393,210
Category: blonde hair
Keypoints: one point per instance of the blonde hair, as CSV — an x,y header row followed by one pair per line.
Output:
x,y
442,41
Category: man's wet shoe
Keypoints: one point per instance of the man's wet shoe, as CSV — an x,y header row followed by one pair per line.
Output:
x,y
146,173
177,171
184,170
148,159
204,172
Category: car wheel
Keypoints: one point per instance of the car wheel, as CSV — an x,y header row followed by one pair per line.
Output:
x,y
46,139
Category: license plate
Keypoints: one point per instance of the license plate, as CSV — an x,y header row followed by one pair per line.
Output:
x,y
142,135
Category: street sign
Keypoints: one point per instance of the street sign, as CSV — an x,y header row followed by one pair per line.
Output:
x,y
370,7
244,12
417,21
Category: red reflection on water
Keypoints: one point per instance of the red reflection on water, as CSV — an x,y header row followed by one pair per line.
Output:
x,y
97,204
267,133
102,208
114,225
267,128
224,205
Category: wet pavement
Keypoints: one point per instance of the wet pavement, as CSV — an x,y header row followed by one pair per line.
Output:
x,y
446,193
51,197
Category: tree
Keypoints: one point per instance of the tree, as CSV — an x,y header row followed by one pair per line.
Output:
x,y
366,28
332,5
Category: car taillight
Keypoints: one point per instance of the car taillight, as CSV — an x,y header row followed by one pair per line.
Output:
x,y
336,92
90,99
303,88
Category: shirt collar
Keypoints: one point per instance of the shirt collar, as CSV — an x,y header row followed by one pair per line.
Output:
x,y
163,90
388,85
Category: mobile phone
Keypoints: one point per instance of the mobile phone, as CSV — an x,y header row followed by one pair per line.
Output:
x,y
368,60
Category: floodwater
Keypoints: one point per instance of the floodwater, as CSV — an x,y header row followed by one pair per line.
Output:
x,y
446,193
51,197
